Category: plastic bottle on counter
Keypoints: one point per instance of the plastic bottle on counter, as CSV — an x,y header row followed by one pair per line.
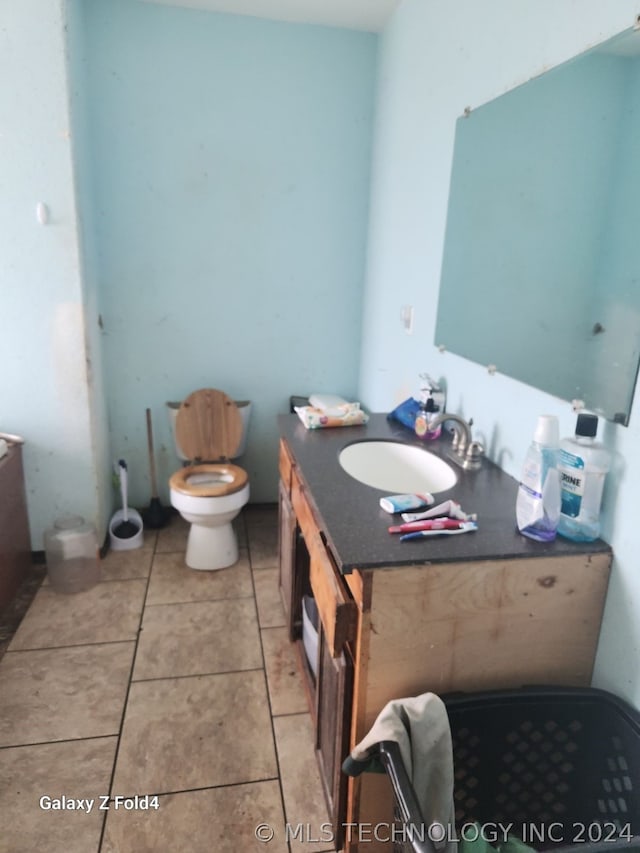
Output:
x,y
583,463
538,501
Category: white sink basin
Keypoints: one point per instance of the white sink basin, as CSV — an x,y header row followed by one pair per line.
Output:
x,y
397,468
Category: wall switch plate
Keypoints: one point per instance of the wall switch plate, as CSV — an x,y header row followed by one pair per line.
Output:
x,y
406,317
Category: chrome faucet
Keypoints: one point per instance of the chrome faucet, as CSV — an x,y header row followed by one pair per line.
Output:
x,y
464,450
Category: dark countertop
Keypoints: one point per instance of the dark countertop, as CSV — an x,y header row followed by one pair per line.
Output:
x,y
356,528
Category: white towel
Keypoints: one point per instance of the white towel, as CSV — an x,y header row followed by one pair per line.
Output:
x,y
420,726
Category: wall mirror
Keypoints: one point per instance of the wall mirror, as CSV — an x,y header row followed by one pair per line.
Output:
x,y
541,264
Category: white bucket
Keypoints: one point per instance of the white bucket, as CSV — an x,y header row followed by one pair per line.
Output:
x,y
136,541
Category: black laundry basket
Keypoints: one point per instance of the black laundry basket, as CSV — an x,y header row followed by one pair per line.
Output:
x,y
561,765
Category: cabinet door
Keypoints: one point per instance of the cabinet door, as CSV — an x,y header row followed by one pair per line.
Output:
x,y
287,561
15,544
337,610
333,697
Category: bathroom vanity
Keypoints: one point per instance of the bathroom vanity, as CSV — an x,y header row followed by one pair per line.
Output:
x,y
482,610
15,546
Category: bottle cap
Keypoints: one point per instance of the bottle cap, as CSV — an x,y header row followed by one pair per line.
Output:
x,y
587,425
547,431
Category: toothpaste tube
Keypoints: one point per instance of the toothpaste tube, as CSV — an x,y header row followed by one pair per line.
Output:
x,y
449,508
400,503
465,527
428,524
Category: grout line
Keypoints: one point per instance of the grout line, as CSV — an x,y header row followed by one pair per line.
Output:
x,y
128,691
71,646
199,601
291,714
103,580
54,742
196,675
266,684
200,788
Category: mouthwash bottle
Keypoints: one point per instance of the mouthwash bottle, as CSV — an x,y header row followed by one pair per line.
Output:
x,y
583,464
538,501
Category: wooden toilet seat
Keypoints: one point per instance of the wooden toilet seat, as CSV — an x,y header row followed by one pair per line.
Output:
x,y
208,426
235,478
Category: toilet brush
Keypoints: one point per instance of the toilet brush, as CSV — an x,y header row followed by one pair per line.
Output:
x,y
125,529
155,515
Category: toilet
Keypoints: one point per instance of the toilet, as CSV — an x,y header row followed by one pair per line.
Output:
x,y
209,430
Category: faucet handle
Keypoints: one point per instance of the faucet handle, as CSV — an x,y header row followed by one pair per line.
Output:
x,y
459,441
474,455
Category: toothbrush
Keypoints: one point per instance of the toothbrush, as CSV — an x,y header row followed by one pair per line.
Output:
x,y
428,524
465,527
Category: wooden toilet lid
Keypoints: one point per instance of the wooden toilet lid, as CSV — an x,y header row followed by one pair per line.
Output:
x,y
209,426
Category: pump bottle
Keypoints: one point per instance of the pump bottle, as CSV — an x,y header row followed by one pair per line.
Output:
x,y
538,501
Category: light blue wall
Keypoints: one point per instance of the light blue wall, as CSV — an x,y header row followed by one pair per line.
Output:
x,y
436,59
230,169
46,385
79,96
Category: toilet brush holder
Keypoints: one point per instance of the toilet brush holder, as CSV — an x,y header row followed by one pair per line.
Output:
x,y
118,543
125,529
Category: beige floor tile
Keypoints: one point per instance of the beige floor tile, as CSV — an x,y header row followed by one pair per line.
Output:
x,y
149,540
122,565
201,721
270,609
198,638
172,582
79,770
240,527
258,515
106,613
63,694
223,820
301,786
195,732
263,546
173,537
285,683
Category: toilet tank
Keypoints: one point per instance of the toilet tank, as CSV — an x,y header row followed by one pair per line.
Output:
x,y
244,407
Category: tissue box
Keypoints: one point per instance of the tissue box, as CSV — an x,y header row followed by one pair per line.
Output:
x,y
313,418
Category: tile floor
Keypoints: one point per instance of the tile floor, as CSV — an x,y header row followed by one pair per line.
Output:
x,y
165,682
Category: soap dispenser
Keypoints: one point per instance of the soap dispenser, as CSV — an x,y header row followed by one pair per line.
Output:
x,y
431,403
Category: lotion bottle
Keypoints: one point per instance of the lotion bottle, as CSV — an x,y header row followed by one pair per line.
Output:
x,y
583,464
538,500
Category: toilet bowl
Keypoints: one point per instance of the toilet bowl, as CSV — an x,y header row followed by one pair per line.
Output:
x,y
208,425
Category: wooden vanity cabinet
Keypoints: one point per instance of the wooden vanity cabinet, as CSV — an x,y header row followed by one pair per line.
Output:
x,y
15,545
306,567
470,627
443,627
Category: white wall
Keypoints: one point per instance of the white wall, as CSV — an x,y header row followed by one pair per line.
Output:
x,y
436,59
